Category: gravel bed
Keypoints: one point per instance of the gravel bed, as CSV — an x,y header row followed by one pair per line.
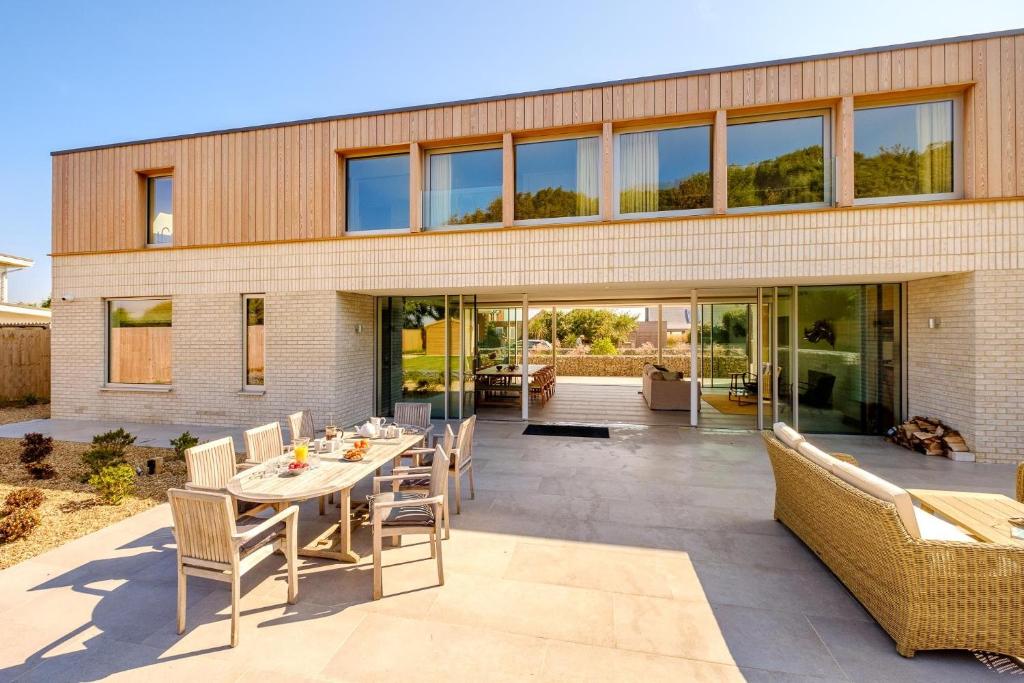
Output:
x,y
70,508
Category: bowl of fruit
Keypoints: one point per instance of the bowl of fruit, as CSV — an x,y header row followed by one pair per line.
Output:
x,y
294,469
358,450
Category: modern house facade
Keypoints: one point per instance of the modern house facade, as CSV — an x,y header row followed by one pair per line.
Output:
x,y
867,204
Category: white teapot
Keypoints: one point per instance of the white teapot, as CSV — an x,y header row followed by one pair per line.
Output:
x,y
368,430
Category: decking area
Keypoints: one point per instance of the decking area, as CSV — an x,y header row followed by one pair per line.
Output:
x,y
614,400
651,555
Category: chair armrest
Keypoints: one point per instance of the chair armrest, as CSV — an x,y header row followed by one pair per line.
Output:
x,y
245,465
432,500
393,477
417,450
847,458
283,515
189,486
406,470
1020,482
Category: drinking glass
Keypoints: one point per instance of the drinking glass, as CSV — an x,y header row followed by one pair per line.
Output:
x,y
301,449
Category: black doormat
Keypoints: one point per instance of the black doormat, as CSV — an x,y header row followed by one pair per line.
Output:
x,y
567,430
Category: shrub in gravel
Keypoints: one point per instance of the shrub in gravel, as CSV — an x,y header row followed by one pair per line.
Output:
x,y
183,443
18,523
109,448
114,483
24,498
35,449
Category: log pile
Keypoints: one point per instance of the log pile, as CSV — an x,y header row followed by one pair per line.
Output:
x,y
930,436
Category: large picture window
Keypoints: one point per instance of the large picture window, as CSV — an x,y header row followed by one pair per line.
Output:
x,y
903,150
463,188
377,193
779,161
139,341
159,211
558,178
664,170
254,341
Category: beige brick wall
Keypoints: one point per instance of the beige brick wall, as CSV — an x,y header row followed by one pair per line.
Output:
x,y
940,361
969,371
869,244
314,360
969,254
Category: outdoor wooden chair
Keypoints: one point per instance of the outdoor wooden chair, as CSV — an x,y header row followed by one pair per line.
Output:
x,y
461,457
421,484
300,425
418,415
263,443
399,513
213,545
210,467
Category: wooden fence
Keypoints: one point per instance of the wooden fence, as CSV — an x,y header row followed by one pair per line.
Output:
x,y
24,361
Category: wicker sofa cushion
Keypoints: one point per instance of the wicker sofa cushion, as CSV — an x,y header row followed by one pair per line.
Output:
x,y
816,455
882,489
787,434
935,529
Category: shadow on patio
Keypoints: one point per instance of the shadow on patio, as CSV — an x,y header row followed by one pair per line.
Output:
x,y
651,555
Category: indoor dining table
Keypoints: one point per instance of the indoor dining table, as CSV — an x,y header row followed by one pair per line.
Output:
x,y
265,484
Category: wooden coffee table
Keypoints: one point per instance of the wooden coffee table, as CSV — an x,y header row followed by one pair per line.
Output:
x,y
984,515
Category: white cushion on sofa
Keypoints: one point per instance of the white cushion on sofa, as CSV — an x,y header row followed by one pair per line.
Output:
x,y
881,489
816,455
935,529
787,434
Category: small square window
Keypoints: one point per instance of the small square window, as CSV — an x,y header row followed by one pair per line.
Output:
x,y
159,211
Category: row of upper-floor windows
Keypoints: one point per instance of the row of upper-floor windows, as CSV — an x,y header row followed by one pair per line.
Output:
x,y
901,152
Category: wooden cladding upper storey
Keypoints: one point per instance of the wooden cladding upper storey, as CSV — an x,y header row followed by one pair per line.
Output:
x,y
281,182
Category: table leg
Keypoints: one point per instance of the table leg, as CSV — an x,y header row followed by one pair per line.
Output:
x,y
336,542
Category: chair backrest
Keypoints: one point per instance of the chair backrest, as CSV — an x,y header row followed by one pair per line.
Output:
x,y
300,425
264,443
439,472
417,414
203,525
464,441
448,440
211,464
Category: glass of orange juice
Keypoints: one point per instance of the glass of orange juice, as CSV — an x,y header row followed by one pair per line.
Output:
x,y
301,449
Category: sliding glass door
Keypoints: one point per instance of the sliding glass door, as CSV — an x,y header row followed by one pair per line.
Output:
x,y
425,354
831,361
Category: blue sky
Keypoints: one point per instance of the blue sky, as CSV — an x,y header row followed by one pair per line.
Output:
x,y
84,73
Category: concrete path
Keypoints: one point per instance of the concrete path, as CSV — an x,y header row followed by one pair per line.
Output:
x,y
649,556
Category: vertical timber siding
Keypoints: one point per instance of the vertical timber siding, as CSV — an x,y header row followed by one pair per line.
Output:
x,y
280,183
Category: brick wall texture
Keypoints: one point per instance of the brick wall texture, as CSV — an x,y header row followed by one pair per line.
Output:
x,y
969,370
963,262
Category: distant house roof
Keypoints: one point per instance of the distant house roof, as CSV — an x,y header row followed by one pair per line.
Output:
x,y
11,261
35,313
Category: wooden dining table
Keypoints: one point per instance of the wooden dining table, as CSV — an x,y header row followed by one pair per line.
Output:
x,y
264,484
507,371
985,515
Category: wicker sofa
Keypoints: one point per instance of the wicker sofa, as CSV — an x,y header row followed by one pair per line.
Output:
x,y
927,591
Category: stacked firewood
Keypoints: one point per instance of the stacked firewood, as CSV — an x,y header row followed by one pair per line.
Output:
x,y
929,436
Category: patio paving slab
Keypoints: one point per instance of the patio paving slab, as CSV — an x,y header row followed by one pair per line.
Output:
x,y
648,556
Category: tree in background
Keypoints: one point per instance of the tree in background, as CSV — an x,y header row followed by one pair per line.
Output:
x,y
797,177
586,324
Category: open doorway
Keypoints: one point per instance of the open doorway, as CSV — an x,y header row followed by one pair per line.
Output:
x,y
586,363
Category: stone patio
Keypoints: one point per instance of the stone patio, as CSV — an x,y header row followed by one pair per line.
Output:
x,y
648,556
